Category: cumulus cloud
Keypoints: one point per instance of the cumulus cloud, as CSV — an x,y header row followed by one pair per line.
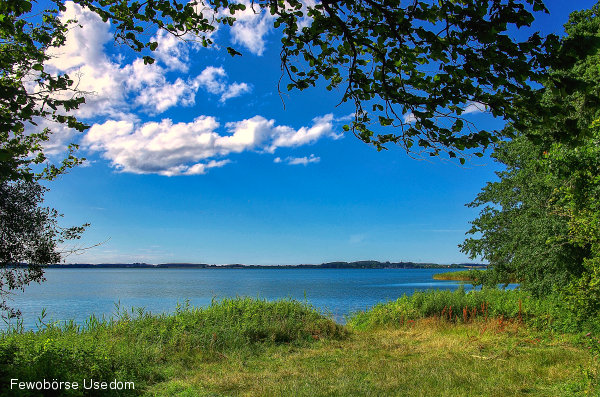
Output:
x,y
251,27
169,148
117,91
83,58
112,88
246,134
171,51
84,41
288,137
213,80
164,148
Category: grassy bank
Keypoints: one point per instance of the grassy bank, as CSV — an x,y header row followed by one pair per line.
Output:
x,y
460,275
468,276
412,346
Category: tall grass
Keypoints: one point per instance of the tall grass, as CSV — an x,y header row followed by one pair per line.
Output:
x,y
460,306
460,275
138,346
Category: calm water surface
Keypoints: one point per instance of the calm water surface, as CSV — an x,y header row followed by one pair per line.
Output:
x,y
78,293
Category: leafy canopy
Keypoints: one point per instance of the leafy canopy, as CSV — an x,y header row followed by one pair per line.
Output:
x,y
29,94
540,222
415,66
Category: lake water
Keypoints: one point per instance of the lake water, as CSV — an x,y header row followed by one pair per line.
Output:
x,y
78,293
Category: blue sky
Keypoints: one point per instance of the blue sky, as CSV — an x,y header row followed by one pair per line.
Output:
x,y
195,159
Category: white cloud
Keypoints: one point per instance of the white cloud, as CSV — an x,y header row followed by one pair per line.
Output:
x,y
164,148
246,134
116,91
301,160
410,118
475,107
235,90
251,26
200,169
210,79
160,97
357,238
213,80
288,137
83,58
85,39
172,51
168,148
110,86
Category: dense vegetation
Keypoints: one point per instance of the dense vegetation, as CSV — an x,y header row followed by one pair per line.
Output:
x,y
540,223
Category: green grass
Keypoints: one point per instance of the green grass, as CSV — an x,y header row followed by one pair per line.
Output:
x,y
456,306
147,348
468,276
459,275
249,347
429,358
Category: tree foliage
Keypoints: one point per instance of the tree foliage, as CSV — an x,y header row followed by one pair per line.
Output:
x,y
417,65
30,237
410,67
28,93
29,233
518,229
541,221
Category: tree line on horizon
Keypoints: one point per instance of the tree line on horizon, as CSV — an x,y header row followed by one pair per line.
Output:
x,y
325,265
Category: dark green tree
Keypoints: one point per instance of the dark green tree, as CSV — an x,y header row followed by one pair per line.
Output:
x,y
577,199
540,221
30,237
518,231
29,233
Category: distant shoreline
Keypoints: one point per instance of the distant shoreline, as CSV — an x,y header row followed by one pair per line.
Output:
x,y
328,265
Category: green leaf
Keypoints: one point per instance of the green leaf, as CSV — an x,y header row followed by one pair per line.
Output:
x,y
233,52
